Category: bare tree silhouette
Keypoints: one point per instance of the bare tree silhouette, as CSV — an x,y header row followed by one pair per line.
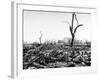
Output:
x,y
40,38
73,30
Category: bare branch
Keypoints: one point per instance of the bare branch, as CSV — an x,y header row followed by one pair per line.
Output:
x,y
41,33
40,38
77,27
76,19
71,31
72,19
68,23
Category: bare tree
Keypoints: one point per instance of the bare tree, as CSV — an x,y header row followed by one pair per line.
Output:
x,y
73,30
40,38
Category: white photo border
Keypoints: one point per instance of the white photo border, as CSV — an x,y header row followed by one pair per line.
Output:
x,y
17,52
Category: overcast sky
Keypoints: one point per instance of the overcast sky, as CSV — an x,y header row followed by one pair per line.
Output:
x,y
53,26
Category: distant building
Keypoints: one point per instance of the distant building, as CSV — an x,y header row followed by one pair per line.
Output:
x,y
67,41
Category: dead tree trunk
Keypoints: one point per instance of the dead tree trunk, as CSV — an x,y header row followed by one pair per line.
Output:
x,y
73,30
40,38
72,40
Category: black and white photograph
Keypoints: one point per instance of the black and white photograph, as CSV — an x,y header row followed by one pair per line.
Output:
x,y
56,39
